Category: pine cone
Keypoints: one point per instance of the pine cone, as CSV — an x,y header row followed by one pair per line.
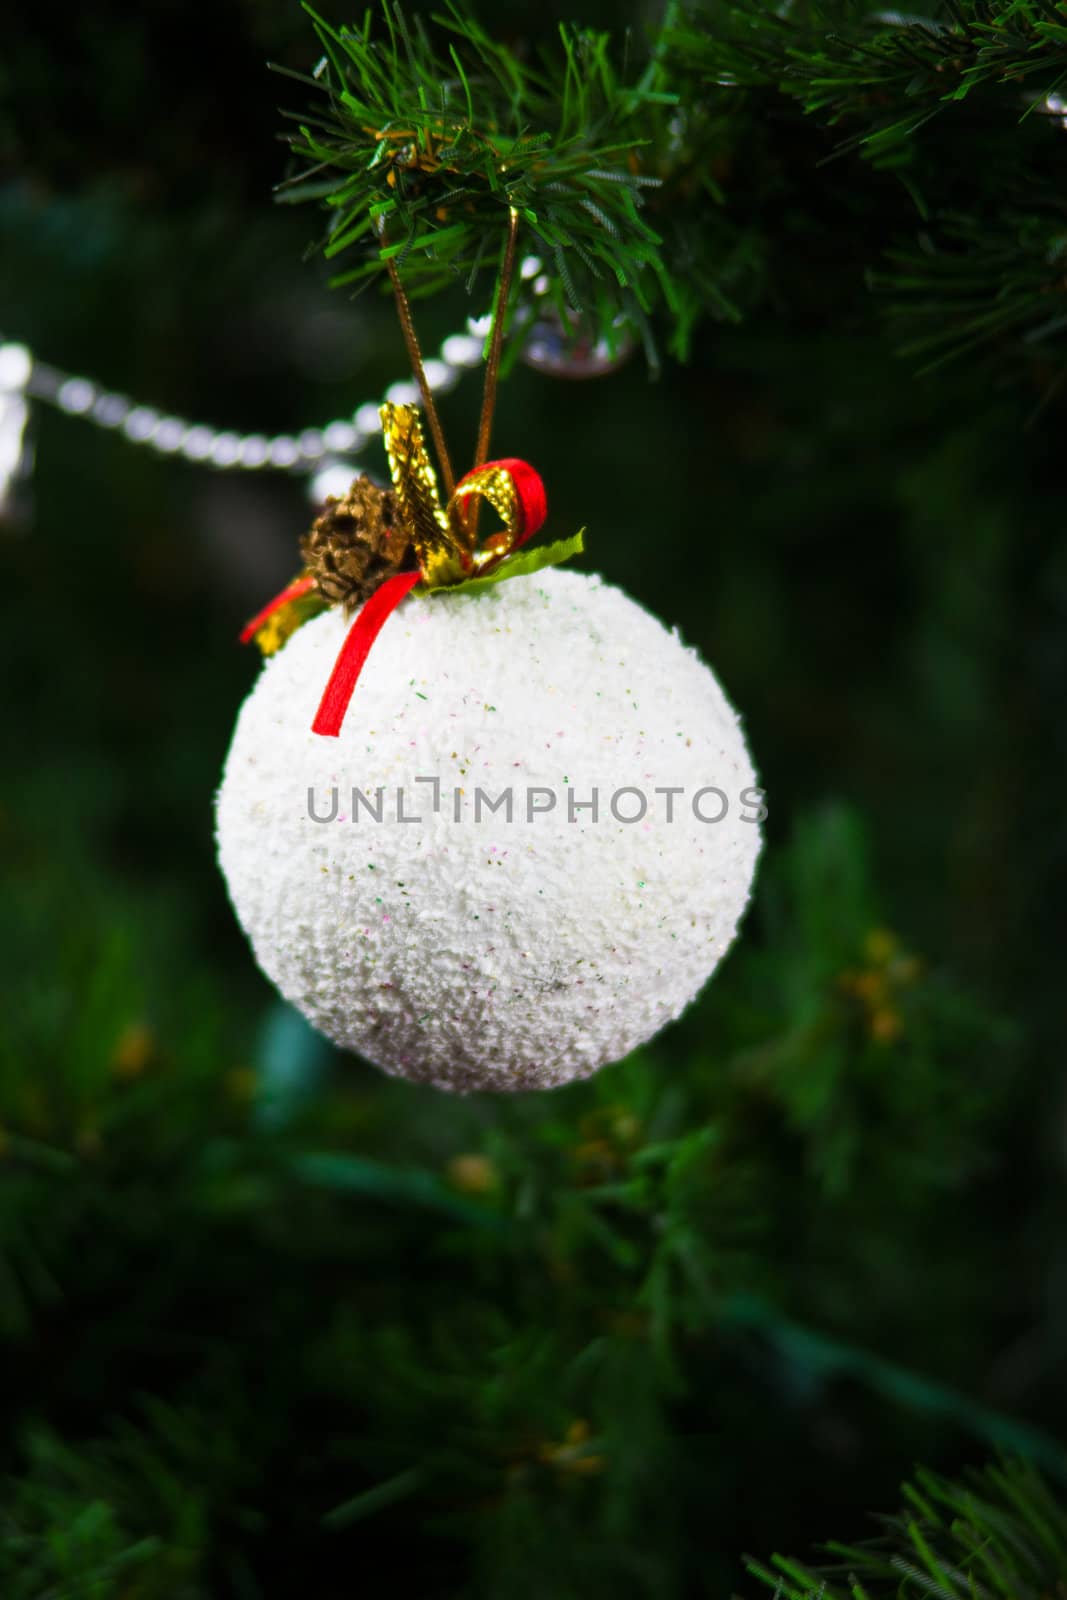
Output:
x,y
355,543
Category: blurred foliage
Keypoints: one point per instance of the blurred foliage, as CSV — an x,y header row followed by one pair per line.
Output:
x,y
271,1322
998,1532
939,157
515,1301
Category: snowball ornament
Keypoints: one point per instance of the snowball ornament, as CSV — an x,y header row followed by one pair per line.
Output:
x,y
526,850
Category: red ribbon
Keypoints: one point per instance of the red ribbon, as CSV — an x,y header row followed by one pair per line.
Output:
x,y
292,591
361,635
533,502
533,508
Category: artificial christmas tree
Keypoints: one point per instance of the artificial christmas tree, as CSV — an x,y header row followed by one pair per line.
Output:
x,y
273,1320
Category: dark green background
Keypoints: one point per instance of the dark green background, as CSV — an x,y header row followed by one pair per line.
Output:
x,y
872,561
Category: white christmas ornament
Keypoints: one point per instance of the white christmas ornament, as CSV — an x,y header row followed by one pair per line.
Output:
x,y
526,852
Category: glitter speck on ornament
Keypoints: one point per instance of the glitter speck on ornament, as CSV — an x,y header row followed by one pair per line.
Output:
x,y
518,954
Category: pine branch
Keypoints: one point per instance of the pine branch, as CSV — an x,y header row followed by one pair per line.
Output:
x,y
999,1532
879,75
942,307
423,144
961,229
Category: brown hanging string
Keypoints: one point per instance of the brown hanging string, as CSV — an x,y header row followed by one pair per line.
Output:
x,y
415,357
492,370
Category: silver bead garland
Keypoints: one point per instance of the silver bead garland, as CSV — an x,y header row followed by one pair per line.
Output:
x,y
317,453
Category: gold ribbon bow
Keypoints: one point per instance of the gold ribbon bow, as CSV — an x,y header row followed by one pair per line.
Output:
x,y
445,538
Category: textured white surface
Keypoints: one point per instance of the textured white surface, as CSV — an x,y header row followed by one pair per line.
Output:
x,y
488,954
